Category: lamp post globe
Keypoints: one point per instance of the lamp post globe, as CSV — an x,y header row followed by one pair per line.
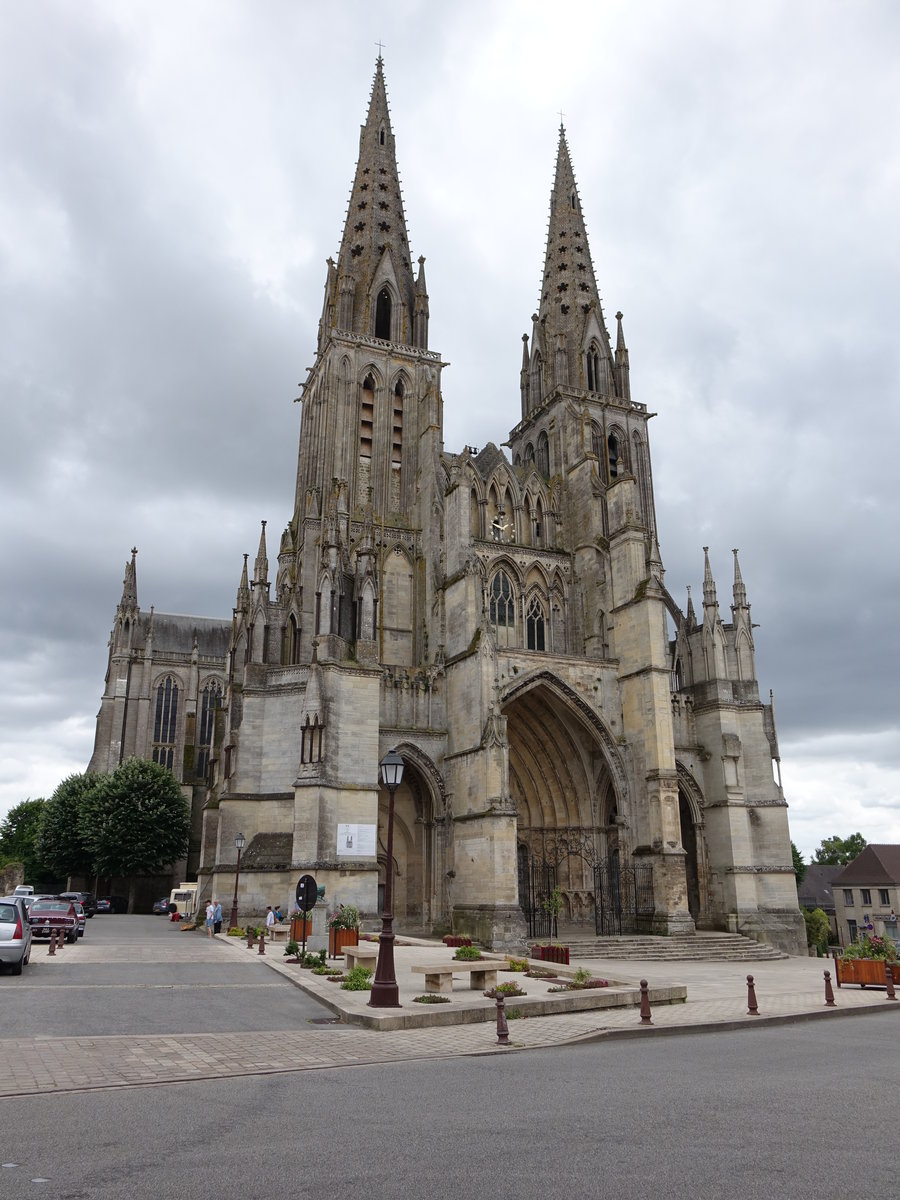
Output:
x,y
239,843
385,993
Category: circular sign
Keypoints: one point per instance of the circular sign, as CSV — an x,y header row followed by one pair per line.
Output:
x,y
307,893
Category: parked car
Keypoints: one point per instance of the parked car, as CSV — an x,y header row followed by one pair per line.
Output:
x,y
104,905
79,913
50,916
15,934
86,898
119,903
161,905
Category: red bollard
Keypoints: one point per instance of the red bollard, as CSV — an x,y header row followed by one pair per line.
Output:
x,y
889,980
52,943
829,992
752,1009
645,1004
262,943
249,938
60,939
502,1026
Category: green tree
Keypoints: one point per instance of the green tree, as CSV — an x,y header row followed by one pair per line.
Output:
x,y
18,834
817,928
837,851
59,844
799,864
136,822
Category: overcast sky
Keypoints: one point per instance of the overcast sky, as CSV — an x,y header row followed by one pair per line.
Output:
x,y
173,177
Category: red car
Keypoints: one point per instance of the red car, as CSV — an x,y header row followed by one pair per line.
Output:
x,y
49,916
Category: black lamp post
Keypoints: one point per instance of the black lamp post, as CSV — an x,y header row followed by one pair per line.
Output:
x,y
239,842
385,993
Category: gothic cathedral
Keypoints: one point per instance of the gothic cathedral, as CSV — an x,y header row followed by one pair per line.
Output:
x,y
502,622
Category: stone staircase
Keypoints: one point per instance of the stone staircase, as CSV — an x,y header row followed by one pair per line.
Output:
x,y
694,947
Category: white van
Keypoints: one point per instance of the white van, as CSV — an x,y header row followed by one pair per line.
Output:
x,y
184,898
24,889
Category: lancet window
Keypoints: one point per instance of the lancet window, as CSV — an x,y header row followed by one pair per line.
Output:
x,y
502,609
383,308
397,427
210,700
165,723
534,625
367,418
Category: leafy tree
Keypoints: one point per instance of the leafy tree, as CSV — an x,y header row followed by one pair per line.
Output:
x,y
837,851
136,821
59,844
18,833
817,928
799,864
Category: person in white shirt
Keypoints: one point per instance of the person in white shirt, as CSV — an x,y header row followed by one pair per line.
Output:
x,y
210,918
270,920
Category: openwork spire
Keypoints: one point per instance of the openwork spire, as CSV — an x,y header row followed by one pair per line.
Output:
x,y
375,247
570,302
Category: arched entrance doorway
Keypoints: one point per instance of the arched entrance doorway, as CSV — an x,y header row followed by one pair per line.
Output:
x,y
415,867
564,785
689,841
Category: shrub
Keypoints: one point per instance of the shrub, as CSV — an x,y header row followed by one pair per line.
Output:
x,y
236,931
510,988
514,1014
817,928
467,953
292,950
358,979
517,964
431,998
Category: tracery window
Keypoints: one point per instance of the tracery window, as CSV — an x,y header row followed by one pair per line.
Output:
x,y
542,458
165,723
210,700
534,625
593,368
502,609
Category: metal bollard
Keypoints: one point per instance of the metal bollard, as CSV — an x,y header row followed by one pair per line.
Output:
x,y
249,937
752,1009
829,992
889,980
502,1026
60,939
645,1004
262,943
52,943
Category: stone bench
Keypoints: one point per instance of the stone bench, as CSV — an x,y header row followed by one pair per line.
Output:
x,y
439,976
278,933
363,955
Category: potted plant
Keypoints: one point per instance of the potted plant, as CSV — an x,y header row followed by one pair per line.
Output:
x,y
343,928
549,951
866,962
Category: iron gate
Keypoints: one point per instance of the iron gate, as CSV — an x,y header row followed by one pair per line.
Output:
x,y
537,879
623,898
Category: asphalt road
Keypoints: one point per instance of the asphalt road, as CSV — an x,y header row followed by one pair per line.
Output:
x,y
803,1111
93,998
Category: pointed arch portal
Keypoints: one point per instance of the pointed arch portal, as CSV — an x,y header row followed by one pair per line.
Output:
x,y
566,786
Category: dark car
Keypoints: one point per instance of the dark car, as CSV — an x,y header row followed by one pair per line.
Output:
x,y
104,905
53,916
15,934
161,906
85,898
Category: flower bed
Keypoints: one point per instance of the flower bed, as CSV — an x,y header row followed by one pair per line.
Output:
x,y
548,953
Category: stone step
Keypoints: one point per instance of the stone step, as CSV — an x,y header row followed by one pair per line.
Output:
x,y
699,947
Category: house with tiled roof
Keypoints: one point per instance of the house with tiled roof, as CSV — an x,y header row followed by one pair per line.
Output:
x,y
867,894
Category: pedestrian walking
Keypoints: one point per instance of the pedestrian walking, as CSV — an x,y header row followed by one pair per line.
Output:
x,y
210,918
270,920
217,915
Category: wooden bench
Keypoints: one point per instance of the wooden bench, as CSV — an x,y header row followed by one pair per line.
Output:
x,y
363,955
439,976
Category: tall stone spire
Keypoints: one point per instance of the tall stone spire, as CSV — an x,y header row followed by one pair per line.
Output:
x,y
261,566
570,302
623,376
375,247
129,601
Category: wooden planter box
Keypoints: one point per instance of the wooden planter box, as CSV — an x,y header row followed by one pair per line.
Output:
x,y
339,938
297,934
864,971
556,954
456,939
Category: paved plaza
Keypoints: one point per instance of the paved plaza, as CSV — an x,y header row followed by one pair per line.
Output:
x,y
213,1009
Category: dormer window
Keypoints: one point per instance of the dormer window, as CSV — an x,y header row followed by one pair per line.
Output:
x,y
381,137
593,368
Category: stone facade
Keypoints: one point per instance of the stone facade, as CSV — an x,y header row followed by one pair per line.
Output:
x,y
503,622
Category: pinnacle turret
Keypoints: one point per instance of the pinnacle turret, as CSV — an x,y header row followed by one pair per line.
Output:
x,y
261,567
690,616
376,292
243,592
129,599
739,592
709,584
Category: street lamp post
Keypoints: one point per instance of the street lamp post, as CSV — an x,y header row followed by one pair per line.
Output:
x,y
385,993
239,843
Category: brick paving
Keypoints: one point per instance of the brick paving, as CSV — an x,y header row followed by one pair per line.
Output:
x,y
716,996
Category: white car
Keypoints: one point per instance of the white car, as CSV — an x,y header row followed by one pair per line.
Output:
x,y
15,934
